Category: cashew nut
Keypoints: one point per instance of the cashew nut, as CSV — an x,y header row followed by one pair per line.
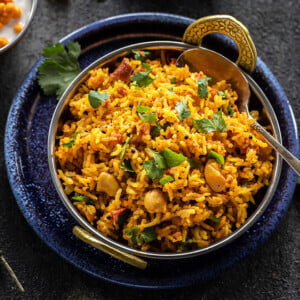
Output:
x,y
213,176
108,184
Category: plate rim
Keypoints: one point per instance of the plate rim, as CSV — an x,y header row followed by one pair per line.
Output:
x,y
31,76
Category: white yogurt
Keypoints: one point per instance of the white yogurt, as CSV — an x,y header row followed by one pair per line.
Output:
x,y
8,29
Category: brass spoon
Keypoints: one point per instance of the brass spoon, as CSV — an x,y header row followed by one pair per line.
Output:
x,y
219,68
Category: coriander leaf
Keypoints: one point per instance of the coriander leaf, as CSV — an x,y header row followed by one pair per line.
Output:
x,y
141,55
132,232
193,163
230,110
123,216
147,235
82,198
221,93
172,158
155,130
124,147
183,111
202,87
206,125
146,66
148,118
173,80
59,68
218,157
70,144
142,79
152,170
142,108
216,220
159,159
96,98
166,179
126,165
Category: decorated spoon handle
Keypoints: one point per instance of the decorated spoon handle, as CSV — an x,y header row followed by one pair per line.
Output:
x,y
293,161
229,26
88,238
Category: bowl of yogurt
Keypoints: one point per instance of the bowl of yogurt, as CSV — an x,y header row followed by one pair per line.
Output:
x,y
15,17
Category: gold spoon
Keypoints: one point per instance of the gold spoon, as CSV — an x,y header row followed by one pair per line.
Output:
x,y
219,68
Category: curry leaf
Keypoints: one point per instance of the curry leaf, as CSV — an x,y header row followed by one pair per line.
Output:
x,y
126,165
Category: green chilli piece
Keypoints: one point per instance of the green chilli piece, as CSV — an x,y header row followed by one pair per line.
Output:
x,y
216,156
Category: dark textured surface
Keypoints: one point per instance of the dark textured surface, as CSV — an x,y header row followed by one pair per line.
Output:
x,y
272,272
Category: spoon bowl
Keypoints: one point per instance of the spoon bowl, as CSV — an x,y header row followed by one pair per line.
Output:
x,y
218,67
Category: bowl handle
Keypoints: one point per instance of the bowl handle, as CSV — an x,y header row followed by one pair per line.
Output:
x,y
88,238
229,26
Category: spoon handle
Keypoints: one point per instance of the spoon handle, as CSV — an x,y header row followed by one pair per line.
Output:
x,y
293,161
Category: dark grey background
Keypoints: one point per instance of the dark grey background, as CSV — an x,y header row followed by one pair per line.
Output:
x,y
273,272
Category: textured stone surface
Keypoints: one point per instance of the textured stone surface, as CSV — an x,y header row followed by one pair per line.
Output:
x,y
273,272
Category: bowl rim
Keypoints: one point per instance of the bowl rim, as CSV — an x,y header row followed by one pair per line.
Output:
x,y
251,220
23,31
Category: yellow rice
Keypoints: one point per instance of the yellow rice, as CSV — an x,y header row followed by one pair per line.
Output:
x,y
195,215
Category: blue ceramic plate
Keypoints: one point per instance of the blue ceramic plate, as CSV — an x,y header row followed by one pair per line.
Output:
x,y
29,176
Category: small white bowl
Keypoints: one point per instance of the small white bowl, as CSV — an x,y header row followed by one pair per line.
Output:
x,y
28,9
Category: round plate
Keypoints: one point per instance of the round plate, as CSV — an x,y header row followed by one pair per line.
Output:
x,y
29,176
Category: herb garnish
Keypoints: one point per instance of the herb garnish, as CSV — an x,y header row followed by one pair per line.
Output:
x,y
146,236
126,165
166,179
183,111
82,198
173,80
148,118
230,110
71,143
206,125
162,160
218,157
141,55
221,93
146,66
59,68
124,147
155,130
216,220
96,98
142,108
202,87
142,79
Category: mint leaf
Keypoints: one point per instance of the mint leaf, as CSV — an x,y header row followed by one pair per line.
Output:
x,y
142,79
183,111
148,118
166,179
59,68
218,157
206,125
202,87
142,108
96,98
152,170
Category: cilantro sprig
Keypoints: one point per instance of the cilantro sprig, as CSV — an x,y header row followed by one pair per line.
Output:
x,y
183,111
206,125
141,55
202,87
141,79
146,236
162,160
96,98
59,68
